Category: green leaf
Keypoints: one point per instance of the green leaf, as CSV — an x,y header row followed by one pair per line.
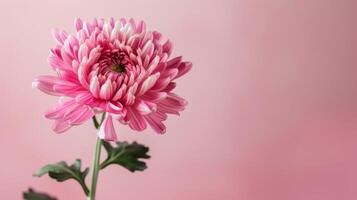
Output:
x,y
127,155
32,195
62,172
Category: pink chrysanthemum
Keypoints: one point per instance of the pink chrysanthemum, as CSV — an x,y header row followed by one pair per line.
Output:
x,y
117,67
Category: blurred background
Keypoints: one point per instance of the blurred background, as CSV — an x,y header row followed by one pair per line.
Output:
x,y
272,111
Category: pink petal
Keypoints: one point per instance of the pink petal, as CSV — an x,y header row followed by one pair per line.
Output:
x,y
68,90
132,23
120,92
58,63
60,126
116,109
106,90
82,117
174,63
161,84
154,97
155,124
170,73
56,86
159,115
141,27
107,131
48,89
148,83
78,23
129,98
136,120
160,67
183,69
84,98
167,48
145,108
83,73
60,110
115,32
82,52
153,65
148,48
59,35
169,87
172,104
66,53
94,87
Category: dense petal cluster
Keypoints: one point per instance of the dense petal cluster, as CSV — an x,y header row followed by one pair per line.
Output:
x,y
117,67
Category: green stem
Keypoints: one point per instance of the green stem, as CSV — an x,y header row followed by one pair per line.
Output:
x,y
96,161
96,169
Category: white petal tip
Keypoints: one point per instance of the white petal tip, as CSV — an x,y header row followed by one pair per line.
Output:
x,y
34,84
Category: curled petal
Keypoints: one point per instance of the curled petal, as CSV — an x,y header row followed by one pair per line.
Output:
x,y
145,108
116,109
82,52
106,90
83,73
107,131
94,87
120,92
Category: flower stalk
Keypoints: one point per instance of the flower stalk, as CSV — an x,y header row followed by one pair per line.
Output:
x,y
96,161
96,169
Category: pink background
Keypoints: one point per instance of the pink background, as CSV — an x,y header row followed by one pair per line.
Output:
x,y
272,97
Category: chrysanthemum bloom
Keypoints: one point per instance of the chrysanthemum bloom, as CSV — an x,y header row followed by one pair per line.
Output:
x,y
117,67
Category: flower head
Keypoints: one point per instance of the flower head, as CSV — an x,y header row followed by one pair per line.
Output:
x,y
117,67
